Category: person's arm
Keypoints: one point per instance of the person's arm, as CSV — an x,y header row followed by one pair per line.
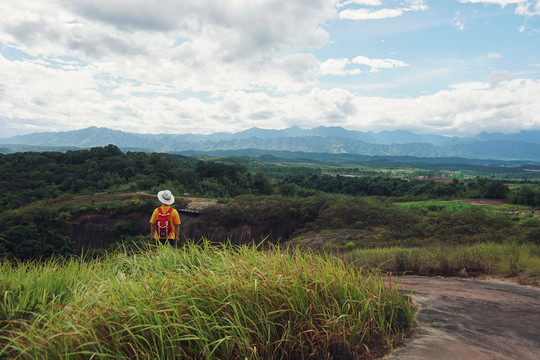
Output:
x,y
176,221
176,233
153,224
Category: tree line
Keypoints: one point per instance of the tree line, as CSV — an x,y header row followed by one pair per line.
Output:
x,y
29,177
525,194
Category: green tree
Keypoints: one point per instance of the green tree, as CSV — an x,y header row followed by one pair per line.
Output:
x,y
496,189
525,195
36,232
287,189
261,185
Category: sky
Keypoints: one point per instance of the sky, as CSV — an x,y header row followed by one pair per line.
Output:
x,y
448,67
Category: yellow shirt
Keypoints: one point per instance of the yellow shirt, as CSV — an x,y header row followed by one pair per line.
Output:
x,y
175,220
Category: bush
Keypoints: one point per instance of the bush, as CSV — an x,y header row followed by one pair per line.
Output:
x,y
462,260
369,212
35,232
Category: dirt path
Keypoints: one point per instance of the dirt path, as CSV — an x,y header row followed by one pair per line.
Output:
x,y
472,319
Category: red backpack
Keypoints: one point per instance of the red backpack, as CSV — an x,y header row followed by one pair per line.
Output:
x,y
163,223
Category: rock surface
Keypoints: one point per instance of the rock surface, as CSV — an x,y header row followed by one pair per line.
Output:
x,y
472,319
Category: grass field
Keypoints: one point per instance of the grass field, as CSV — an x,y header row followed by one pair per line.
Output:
x,y
437,205
199,302
450,238
503,260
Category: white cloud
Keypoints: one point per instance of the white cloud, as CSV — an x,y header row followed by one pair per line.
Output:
x,y
528,8
502,3
416,5
500,77
366,14
508,105
205,66
464,109
360,2
457,22
45,28
494,55
473,85
377,64
334,67
236,28
386,13
338,67
199,46
37,97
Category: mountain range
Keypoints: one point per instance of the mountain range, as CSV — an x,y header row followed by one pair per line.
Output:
x,y
524,145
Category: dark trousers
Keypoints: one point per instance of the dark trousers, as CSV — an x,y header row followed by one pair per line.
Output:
x,y
167,241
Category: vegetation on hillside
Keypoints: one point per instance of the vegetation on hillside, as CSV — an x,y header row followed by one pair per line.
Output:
x,y
484,258
379,222
28,177
44,192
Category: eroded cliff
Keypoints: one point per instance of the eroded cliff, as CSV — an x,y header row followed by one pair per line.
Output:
x,y
96,231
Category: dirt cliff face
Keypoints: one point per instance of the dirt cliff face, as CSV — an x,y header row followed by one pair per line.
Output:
x,y
193,228
95,231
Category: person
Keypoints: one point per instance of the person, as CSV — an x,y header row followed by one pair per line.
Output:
x,y
165,220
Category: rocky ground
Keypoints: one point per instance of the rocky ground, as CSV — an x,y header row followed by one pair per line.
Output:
x,y
472,319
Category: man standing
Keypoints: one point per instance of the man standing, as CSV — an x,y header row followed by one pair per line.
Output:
x,y
165,221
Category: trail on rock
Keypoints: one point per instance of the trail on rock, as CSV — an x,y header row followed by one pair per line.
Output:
x,y
472,319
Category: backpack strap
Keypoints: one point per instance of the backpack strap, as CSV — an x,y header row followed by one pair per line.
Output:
x,y
166,212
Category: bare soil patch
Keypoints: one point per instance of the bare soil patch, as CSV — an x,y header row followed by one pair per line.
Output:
x,y
498,202
485,202
201,205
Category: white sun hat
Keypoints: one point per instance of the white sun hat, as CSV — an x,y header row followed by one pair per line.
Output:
x,y
166,197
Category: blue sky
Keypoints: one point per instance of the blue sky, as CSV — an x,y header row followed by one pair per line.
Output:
x,y
451,67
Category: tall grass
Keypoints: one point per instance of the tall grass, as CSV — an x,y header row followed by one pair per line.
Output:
x,y
508,259
199,302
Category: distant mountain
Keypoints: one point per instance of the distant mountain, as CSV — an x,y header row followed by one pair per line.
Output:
x,y
88,137
520,146
384,137
523,136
